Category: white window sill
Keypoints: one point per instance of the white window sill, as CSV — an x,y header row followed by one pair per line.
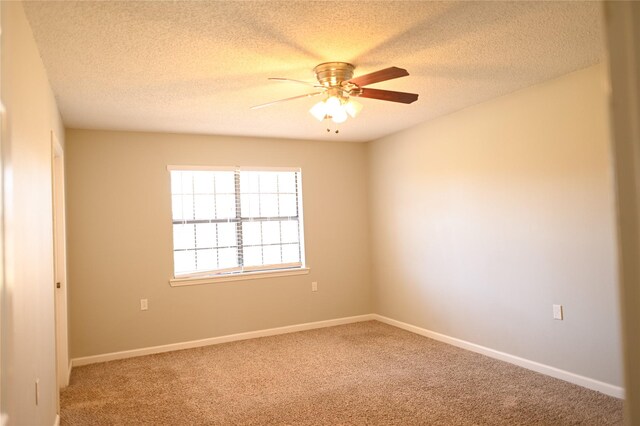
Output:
x,y
178,282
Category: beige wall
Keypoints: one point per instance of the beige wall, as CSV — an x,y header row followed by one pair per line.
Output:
x,y
28,335
119,240
481,220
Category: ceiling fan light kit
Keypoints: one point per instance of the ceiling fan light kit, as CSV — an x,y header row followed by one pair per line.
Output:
x,y
337,107
336,83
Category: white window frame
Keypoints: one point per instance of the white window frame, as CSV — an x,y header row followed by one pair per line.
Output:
x,y
251,272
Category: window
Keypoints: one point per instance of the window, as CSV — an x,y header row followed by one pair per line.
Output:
x,y
233,221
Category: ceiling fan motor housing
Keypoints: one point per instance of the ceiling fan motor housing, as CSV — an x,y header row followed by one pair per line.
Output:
x,y
332,74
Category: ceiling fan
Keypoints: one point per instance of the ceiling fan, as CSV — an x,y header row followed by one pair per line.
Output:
x,y
337,84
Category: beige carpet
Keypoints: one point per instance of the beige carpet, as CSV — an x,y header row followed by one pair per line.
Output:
x,y
365,373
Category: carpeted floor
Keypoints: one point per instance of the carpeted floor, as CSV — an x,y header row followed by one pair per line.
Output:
x,y
364,373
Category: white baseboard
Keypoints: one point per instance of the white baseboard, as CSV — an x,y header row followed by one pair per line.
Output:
x,y
217,340
69,372
577,379
606,388
57,420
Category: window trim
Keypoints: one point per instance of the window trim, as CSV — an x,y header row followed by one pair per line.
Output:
x,y
252,272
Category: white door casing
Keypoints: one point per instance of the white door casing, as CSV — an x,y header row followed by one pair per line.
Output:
x,y
623,38
60,262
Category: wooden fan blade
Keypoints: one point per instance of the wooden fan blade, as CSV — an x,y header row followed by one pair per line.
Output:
x,y
389,95
290,80
308,95
378,76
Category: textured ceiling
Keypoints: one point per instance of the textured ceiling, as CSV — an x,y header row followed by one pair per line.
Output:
x,y
197,67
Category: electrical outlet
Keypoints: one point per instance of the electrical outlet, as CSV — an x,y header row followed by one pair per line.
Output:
x,y
557,312
314,286
144,304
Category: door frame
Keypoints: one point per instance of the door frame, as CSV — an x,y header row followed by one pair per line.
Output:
x,y
59,262
622,24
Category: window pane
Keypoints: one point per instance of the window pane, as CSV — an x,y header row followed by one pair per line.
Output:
x,y
288,205
271,255
289,231
268,205
182,207
268,182
187,182
270,232
184,261
227,234
249,182
203,207
183,237
290,253
176,182
203,182
187,207
287,182
206,259
250,205
225,182
206,235
252,256
228,258
176,207
225,206
251,233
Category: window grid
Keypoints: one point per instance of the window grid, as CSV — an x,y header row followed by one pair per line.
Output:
x,y
215,214
296,187
195,234
238,219
261,224
279,224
